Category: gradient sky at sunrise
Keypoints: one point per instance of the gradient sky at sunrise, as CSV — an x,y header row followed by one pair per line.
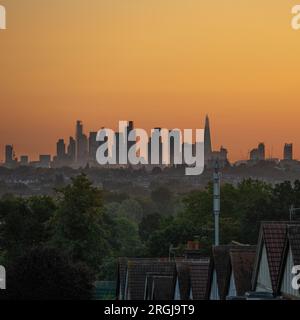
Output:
x,y
158,62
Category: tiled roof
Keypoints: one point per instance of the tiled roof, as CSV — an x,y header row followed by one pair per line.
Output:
x,y
274,238
273,234
183,276
137,273
121,276
242,263
200,275
221,261
294,241
149,285
163,288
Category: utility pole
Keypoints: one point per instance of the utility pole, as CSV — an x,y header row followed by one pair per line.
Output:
x,y
216,202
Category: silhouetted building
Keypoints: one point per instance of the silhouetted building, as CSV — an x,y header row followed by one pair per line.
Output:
x,y
44,161
258,154
81,146
61,150
261,152
71,152
210,156
10,160
207,141
93,146
9,154
288,151
24,160
254,155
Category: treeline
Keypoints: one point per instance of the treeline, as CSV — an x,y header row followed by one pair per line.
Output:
x,y
56,247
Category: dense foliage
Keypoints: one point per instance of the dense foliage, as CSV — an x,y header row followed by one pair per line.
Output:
x,y
78,234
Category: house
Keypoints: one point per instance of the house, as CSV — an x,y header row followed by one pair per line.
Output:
x,y
159,287
121,278
183,282
291,258
221,270
200,279
269,256
242,261
134,277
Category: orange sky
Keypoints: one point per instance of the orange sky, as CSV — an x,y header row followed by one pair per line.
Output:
x,y
158,62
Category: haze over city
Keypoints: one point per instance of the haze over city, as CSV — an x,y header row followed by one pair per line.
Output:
x,y
161,63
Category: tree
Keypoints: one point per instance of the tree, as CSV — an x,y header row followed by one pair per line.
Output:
x,y
163,199
45,273
172,232
149,224
80,227
128,243
23,223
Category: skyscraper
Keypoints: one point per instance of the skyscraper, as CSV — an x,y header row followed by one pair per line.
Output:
x,y
81,146
61,150
93,146
288,151
261,152
71,150
9,154
207,141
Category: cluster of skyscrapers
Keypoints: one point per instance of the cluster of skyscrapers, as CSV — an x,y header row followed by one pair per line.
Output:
x,y
81,151
259,153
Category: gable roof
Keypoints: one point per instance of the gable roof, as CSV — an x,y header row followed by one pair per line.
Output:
x,y
221,263
183,277
200,277
273,235
242,261
151,278
137,274
163,287
293,243
121,277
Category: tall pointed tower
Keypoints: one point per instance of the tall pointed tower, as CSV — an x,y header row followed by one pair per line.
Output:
x,y
207,141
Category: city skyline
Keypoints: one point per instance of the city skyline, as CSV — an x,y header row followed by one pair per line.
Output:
x,y
161,63
80,149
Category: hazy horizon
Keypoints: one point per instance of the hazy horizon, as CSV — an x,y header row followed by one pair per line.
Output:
x,y
163,63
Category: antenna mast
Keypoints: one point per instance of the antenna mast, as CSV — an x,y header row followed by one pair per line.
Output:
x,y
216,203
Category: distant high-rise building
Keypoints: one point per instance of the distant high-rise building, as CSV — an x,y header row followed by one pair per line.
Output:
x,y
254,155
61,150
288,151
44,161
258,154
81,146
261,152
220,157
207,141
9,154
24,160
71,152
93,147
79,129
